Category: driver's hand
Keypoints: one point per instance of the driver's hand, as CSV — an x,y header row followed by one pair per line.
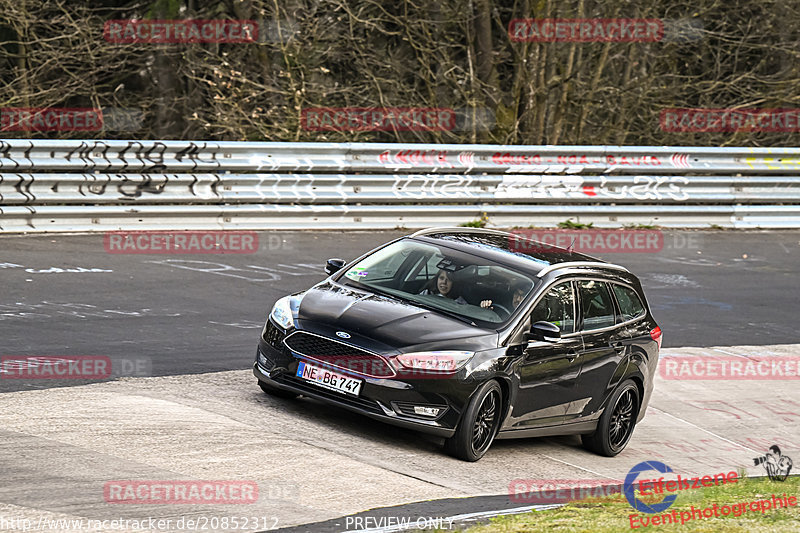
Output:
x,y
486,303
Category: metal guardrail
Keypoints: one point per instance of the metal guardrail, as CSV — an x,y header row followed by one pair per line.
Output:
x,y
50,185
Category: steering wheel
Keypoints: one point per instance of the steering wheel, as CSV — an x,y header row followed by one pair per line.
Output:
x,y
498,307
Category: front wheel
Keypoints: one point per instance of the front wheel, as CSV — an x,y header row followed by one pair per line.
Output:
x,y
478,426
616,425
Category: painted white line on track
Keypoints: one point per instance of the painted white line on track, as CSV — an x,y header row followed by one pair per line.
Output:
x,y
733,353
720,437
602,476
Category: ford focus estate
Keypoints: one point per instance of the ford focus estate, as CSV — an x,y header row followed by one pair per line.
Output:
x,y
471,335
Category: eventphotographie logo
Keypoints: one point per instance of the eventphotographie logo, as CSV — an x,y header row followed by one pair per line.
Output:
x,y
629,487
777,465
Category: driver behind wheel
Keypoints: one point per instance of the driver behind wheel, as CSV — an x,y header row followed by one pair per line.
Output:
x,y
519,290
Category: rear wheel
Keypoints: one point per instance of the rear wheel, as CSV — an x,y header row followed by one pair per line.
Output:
x,y
616,425
275,391
478,426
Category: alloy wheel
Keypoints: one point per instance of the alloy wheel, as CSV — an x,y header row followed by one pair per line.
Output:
x,y
621,424
483,429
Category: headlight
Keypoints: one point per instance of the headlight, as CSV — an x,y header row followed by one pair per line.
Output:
x,y
437,361
282,313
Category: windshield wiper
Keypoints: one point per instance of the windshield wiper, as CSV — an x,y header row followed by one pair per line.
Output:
x,y
429,307
369,288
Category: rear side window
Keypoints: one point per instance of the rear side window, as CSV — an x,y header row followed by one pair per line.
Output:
x,y
557,307
596,304
629,303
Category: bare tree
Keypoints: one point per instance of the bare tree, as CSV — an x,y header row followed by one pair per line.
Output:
x,y
444,54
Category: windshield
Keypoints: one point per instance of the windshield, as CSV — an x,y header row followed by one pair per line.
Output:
x,y
463,284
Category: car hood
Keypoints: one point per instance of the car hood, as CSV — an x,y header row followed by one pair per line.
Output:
x,y
385,319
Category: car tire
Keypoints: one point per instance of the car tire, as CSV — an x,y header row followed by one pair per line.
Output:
x,y
478,427
275,391
616,425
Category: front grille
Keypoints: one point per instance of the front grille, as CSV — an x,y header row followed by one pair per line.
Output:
x,y
274,335
338,354
315,346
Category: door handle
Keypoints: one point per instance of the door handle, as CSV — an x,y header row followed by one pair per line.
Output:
x,y
618,346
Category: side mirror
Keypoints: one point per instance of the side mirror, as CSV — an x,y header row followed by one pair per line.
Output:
x,y
543,331
332,266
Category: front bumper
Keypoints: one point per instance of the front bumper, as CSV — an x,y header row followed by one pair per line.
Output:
x,y
387,400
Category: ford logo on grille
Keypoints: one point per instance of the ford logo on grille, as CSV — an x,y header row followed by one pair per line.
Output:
x,y
342,334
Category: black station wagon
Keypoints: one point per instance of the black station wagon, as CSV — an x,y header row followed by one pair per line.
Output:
x,y
471,335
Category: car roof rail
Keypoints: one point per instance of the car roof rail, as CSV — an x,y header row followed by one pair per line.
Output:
x,y
456,229
578,264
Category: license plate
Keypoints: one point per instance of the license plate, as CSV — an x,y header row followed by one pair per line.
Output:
x,y
329,379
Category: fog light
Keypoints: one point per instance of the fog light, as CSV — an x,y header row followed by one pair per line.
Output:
x,y
426,411
262,360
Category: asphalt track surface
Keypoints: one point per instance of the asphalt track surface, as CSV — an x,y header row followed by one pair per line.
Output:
x,y
186,327
203,313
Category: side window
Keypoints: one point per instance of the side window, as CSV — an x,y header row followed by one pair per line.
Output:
x,y
596,304
557,306
629,303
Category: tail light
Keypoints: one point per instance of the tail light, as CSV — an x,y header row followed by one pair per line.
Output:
x,y
656,335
